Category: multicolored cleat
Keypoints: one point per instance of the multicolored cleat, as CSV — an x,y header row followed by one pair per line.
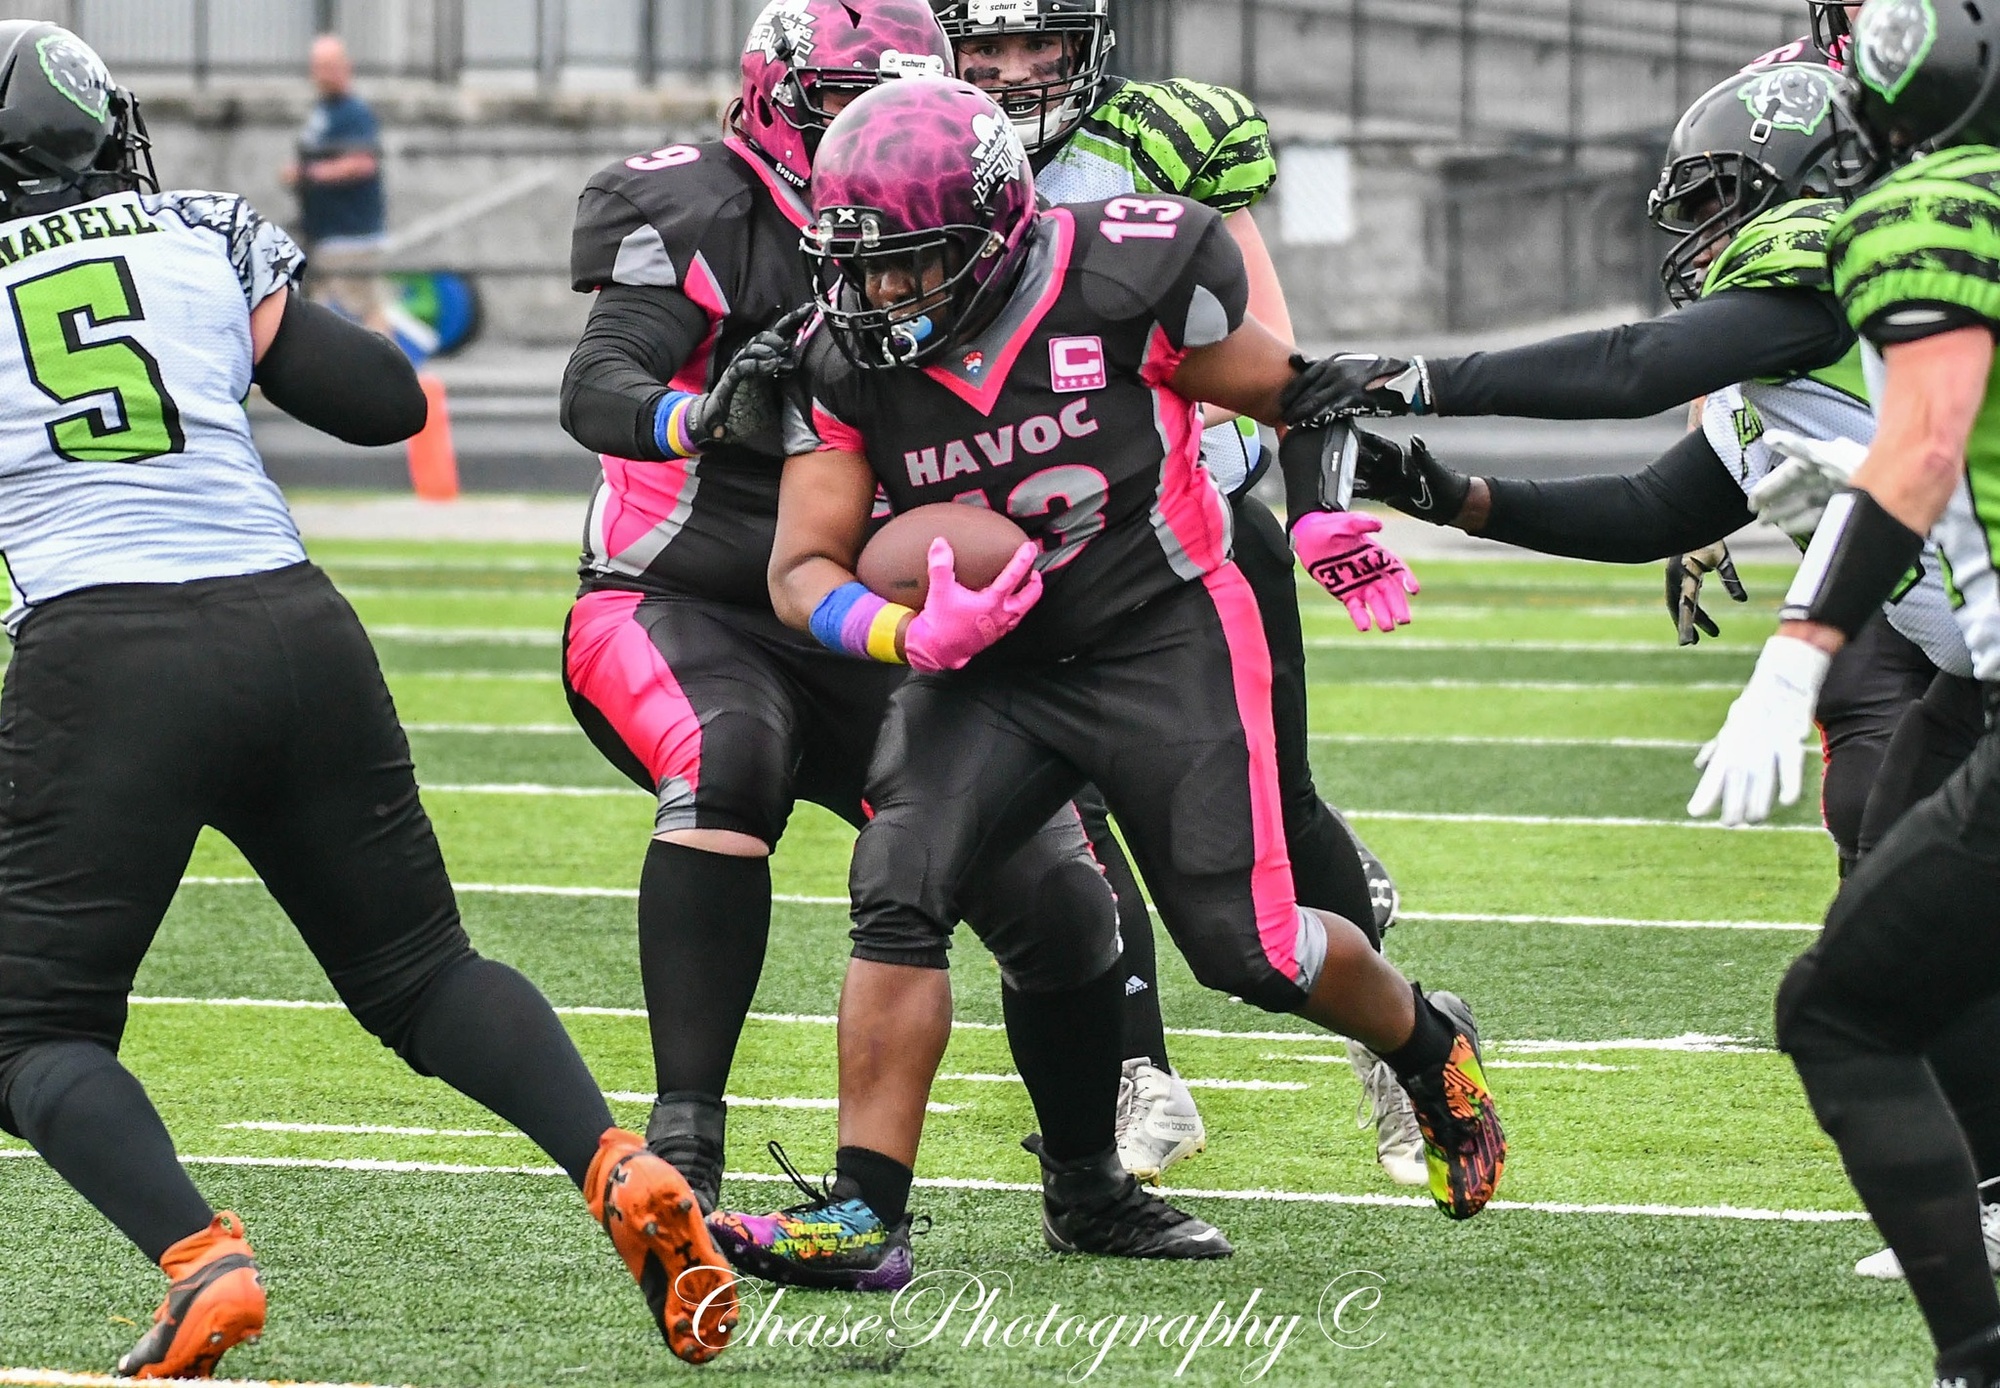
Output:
x,y
216,1302
1464,1148
825,1243
647,1208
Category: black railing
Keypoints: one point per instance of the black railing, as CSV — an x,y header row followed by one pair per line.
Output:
x,y
1571,71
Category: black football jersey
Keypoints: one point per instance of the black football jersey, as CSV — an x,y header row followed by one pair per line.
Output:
x,y
1061,415
712,221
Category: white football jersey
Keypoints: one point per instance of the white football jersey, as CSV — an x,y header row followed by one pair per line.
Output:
x,y
1735,420
125,455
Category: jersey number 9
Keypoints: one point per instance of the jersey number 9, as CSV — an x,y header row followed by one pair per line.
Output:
x,y
140,420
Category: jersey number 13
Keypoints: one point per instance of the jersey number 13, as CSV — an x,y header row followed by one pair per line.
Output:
x,y
140,420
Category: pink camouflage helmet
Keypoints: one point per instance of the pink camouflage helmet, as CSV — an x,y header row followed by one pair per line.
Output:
x,y
918,176
801,53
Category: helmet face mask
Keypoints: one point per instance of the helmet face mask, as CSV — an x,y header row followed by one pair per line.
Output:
x,y
1831,29
1753,142
924,209
856,266
1047,110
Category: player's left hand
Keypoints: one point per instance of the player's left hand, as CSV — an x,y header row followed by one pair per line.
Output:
x,y
1355,383
1684,575
1339,551
743,406
1794,494
1761,747
958,622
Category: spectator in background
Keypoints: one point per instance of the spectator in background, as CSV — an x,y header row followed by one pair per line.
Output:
x,y
338,177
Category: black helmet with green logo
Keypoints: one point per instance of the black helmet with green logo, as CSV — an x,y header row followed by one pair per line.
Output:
x,y
1753,142
67,132
1925,73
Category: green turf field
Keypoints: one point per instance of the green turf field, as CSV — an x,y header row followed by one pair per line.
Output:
x,y
1519,758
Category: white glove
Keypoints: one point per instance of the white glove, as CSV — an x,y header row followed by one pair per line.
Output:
x,y
1763,740
1794,494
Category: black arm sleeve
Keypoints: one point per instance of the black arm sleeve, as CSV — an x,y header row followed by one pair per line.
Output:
x,y
323,370
1685,500
1640,369
634,341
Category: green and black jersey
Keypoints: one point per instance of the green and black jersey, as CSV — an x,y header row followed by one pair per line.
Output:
x,y
1920,255
1199,141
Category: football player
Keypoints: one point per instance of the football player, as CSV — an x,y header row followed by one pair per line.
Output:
x,y
1761,336
684,677
1745,192
179,663
1043,364
1090,135
1909,948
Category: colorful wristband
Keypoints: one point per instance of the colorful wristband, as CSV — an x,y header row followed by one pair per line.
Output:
x,y
670,425
855,622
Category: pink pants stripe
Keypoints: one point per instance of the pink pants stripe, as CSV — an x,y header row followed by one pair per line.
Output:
x,y
1250,669
612,662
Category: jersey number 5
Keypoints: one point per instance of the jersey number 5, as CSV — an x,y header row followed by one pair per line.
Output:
x,y
139,420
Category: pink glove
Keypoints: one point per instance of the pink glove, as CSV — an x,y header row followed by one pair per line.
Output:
x,y
1336,549
957,622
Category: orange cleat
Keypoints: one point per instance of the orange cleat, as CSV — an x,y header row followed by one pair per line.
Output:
x,y
656,1226
216,1302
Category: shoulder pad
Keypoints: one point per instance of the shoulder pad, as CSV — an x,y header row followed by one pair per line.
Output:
x,y
1785,248
1203,141
641,220
1927,235
1124,273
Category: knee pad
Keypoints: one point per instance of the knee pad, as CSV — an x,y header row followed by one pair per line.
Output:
x,y
1066,937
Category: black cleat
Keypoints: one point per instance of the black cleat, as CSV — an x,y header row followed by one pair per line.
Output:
x,y
1097,1206
686,1130
1973,1363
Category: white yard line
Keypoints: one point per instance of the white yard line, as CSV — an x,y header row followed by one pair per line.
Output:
x,y
505,729
1491,1064
633,1096
1287,1085
790,899
469,636
1733,1212
1399,642
366,1130
1646,744
1543,686
59,1378
531,788
1688,1042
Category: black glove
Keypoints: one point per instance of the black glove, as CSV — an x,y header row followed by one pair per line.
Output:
x,y
1409,479
1684,575
1343,384
743,408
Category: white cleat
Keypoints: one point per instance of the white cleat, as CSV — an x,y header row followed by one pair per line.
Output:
x,y
1385,1106
1158,1124
1883,1265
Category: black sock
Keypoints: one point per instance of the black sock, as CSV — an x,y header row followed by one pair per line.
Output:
x,y
1909,1164
1966,1060
1327,873
861,1173
1145,1030
92,1122
1429,1045
1066,1048
704,922
490,1034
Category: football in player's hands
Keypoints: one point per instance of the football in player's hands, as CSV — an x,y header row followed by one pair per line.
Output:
x,y
894,564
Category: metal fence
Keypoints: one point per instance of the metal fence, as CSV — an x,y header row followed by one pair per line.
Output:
x,y
1573,71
